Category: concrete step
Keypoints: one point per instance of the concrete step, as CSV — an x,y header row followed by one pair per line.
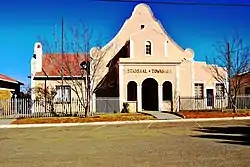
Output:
x,y
161,115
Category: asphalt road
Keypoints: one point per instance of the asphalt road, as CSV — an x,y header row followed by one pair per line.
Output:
x,y
163,144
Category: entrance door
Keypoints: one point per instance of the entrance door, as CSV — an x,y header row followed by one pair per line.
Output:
x,y
150,95
210,97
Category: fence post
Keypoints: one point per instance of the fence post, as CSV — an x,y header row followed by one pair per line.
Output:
x,y
15,106
179,104
93,103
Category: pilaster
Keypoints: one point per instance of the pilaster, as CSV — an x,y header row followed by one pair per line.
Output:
x,y
160,97
139,98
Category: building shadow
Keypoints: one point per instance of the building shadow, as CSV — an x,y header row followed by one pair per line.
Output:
x,y
229,134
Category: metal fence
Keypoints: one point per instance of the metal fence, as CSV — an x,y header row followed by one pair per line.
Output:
x,y
107,104
193,103
25,107
243,101
212,103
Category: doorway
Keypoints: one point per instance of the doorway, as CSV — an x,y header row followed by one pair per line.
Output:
x,y
210,97
150,94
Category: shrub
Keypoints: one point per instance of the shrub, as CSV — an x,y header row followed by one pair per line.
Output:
x,y
5,94
125,108
5,102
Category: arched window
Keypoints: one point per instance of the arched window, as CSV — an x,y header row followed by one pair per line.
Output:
x,y
132,91
148,48
167,91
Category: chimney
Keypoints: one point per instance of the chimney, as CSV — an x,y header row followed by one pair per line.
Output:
x,y
38,55
36,65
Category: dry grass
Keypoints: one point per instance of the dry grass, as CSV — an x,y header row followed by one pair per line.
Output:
x,y
100,118
124,117
212,114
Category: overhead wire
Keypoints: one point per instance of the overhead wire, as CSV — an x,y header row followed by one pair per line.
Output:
x,y
179,3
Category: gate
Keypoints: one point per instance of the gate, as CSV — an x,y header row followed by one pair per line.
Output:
x,y
107,105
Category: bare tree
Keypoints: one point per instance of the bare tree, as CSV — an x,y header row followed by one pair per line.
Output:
x,y
70,59
229,65
45,97
26,92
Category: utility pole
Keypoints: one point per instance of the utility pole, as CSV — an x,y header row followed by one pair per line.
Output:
x,y
229,73
45,89
86,67
62,52
88,88
91,108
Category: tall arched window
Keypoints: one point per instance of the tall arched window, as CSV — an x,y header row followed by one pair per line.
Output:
x,y
132,91
167,91
148,48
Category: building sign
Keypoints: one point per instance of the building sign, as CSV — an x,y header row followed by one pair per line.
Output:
x,y
159,71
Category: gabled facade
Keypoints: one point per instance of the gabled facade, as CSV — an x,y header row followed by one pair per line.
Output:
x,y
58,71
146,67
155,69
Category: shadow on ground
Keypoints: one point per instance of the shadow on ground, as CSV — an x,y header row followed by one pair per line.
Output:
x,y
229,134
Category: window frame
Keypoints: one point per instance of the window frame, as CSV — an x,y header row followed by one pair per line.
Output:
x,y
247,89
148,43
63,99
142,26
223,90
132,94
202,90
166,96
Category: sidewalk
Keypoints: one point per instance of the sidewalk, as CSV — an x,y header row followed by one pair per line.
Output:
x,y
6,121
161,115
120,122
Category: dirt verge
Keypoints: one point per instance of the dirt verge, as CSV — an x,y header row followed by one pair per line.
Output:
x,y
99,118
212,114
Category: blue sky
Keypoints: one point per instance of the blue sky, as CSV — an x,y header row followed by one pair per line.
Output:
x,y
197,27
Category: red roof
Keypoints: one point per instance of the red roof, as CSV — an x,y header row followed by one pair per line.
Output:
x,y
245,78
8,79
69,64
